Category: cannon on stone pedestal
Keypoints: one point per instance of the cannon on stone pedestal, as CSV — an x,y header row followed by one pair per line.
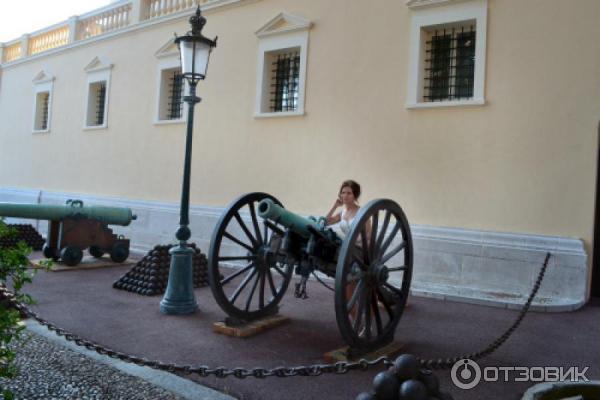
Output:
x,y
257,244
74,227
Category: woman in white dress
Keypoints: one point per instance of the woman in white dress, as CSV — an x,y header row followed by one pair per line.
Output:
x,y
348,200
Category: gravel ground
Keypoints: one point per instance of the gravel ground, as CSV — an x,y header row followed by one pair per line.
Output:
x,y
49,371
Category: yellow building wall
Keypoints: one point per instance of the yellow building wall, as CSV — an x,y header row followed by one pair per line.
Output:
x,y
524,162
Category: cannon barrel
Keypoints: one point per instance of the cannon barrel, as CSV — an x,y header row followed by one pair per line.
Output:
x,y
73,209
302,226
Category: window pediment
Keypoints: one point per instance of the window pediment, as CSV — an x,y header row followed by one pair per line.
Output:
x,y
98,64
169,49
416,4
282,23
43,77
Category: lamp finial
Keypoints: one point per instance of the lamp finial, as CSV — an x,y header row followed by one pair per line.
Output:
x,y
197,21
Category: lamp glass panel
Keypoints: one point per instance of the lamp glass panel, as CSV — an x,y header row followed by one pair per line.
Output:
x,y
194,64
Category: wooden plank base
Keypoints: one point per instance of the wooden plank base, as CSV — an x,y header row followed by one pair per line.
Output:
x,y
341,354
251,328
88,262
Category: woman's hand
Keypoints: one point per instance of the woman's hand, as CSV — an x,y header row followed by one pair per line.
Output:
x,y
333,219
338,202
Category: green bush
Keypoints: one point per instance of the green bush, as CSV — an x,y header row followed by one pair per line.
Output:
x,y
13,272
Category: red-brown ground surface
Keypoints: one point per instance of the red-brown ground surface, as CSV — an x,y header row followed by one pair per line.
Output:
x,y
85,303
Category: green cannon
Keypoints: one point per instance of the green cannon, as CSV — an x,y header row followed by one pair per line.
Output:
x,y
302,226
74,227
257,245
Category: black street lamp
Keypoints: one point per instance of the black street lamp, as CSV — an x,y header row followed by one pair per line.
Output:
x,y
195,51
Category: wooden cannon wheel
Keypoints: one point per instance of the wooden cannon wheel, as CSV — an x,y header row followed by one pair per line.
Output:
x,y
247,272
373,275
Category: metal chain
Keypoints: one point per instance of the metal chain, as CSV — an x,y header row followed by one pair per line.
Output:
x,y
340,367
495,345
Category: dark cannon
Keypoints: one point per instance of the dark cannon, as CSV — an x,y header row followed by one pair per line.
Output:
x,y
74,227
257,245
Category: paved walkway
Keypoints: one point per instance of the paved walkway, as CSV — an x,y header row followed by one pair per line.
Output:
x,y
85,303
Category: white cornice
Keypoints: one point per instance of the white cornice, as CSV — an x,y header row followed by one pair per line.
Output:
x,y
282,23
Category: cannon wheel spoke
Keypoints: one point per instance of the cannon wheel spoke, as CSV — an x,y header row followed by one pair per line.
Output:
x,y
237,241
370,296
242,285
249,300
386,222
376,313
255,223
225,281
242,225
241,278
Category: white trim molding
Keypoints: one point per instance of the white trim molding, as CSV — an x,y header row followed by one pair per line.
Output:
x,y
43,82
480,267
432,14
283,32
418,4
98,70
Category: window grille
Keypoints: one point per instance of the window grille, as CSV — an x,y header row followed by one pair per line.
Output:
x,y
100,103
450,64
45,99
285,82
175,106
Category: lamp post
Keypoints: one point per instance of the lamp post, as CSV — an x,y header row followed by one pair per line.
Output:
x,y
195,51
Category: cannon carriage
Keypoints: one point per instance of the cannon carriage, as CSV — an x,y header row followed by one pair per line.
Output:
x,y
258,245
72,228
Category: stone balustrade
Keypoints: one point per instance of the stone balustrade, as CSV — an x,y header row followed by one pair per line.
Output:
x,y
98,22
105,21
48,40
159,8
12,52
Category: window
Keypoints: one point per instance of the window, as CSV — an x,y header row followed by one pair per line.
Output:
x,y
283,47
96,110
171,86
449,64
43,87
98,87
171,95
285,80
447,53
42,100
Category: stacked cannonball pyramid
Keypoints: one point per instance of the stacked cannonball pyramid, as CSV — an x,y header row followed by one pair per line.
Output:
x,y
405,380
150,275
22,233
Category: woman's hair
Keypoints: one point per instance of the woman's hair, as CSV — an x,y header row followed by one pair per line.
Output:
x,y
353,185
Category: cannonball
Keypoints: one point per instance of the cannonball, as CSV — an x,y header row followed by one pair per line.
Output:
x,y
407,367
431,381
412,389
365,396
386,385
